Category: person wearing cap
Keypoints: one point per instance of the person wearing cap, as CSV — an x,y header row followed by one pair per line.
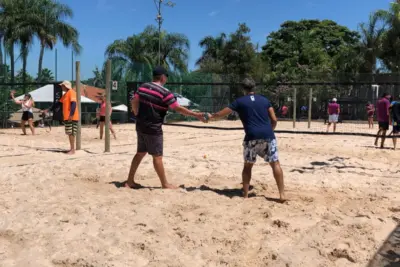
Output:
x,y
70,113
259,122
27,105
150,105
394,117
333,112
382,113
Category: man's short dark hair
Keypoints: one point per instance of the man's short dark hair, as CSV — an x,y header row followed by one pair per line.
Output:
x,y
157,78
248,84
385,94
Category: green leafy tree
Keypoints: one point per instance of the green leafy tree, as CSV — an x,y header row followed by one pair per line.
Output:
x,y
300,50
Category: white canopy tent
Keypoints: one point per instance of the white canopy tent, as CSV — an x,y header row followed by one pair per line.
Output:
x,y
183,101
45,94
122,107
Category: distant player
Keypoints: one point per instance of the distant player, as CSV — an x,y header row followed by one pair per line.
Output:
x,y
27,105
333,112
382,113
370,113
284,111
394,114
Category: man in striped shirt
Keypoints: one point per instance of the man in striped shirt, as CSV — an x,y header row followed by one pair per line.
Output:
x,y
150,106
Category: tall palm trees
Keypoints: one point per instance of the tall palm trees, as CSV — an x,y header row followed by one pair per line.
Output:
x,y
53,27
372,34
139,53
391,38
211,59
23,20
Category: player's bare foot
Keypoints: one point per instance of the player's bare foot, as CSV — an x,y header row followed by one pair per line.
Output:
x,y
376,143
71,152
169,186
282,198
133,185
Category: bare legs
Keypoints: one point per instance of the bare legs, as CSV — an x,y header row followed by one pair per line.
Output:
x,y
102,124
137,159
278,175
71,144
395,136
371,122
23,127
381,134
158,166
30,122
101,129
329,125
246,177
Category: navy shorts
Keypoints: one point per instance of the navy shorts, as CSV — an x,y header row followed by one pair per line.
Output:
x,y
396,128
383,125
27,115
152,144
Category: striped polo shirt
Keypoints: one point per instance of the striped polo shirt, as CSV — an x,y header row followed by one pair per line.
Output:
x,y
154,103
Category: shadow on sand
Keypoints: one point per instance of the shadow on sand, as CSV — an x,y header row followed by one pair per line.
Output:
x,y
122,185
389,253
231,193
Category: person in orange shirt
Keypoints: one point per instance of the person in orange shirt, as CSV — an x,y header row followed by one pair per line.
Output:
x,y
70,113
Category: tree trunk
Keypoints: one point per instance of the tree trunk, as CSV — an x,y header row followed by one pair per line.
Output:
x,y
12,63
3,69
40,61
24,64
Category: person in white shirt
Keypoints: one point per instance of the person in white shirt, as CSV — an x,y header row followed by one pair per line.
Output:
x,y
27,105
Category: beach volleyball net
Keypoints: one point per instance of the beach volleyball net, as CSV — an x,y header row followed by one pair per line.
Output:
x,y
301,106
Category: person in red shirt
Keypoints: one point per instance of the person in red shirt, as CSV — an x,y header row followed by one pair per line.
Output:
x,y
333,112
382,113
370,112
284,111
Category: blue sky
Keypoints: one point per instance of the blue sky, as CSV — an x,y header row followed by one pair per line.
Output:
x,y
100,22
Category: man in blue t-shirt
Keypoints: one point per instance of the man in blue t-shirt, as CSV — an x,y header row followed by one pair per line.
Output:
x,y
259,121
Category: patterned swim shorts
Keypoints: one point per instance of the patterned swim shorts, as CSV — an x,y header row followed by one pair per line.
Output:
x,y
71,127
267,149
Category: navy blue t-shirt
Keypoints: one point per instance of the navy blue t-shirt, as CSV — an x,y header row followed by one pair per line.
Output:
x,y
253,112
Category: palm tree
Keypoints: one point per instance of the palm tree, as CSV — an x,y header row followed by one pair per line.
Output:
x,y
213,47
391,38
45,76
139,53
8,25
133,55
17,20
53,27
372,36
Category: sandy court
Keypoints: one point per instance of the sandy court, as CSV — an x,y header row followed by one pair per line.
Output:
x,y
68,211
